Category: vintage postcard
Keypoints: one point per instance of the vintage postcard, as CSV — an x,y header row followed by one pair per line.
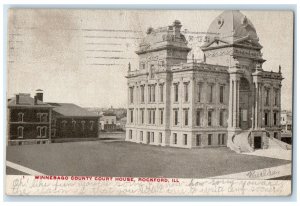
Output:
x,y
149,102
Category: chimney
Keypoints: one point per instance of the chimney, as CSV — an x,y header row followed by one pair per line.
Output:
x,y
35,100
17,99
39,94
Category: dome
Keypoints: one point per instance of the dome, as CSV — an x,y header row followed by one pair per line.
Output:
x,y
232,27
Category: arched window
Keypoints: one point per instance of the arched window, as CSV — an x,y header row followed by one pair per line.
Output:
x,y
20,132
91,125
44,132
63,124
73,125
20,117
82,125
41,132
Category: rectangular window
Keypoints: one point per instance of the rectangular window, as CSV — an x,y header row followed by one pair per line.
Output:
x,y
266,118
175,138
153,116
130,134
275,118
161,116
186,117
186,92
161,89
149,94
131,95
223,139
209,118
209,139
198,139
153,93
267,97
176,117
221,118
176,92
149,116
160,137
199,92
221,94
185,139
141,136
131,116
142,116
210,93
198,117
275,97
152,136
142,93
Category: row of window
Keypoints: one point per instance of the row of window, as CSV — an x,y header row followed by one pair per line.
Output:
x,y
82,124
266,118
199,117
41,132
221,139
200,91
160,63
151,138
151,116
151,93
42,117
275,97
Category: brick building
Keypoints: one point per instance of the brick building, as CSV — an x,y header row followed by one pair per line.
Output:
x,y
226,100
72,121
29,120
32,121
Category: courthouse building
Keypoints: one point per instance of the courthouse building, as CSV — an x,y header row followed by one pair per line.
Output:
x,y
225,100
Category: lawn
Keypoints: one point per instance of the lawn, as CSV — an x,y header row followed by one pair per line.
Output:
x,y
99,158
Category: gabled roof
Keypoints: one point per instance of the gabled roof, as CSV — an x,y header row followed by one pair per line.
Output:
x,y
26,101
71,110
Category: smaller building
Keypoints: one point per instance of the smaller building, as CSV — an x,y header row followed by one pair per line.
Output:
x,y
29,119
286,126
286,120
72,121
108,122
121,124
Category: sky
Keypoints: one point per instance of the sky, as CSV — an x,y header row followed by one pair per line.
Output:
x,y
82,56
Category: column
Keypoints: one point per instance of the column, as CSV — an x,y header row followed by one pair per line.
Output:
x,y
259,122
235,104
230,108
256,106
238,103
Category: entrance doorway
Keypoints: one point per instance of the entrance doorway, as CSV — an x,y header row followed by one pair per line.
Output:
x,y
257,142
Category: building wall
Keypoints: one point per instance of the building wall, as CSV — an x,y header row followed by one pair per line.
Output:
x,y
76,127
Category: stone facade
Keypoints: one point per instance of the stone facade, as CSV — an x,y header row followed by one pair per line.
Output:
x,y
172,102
